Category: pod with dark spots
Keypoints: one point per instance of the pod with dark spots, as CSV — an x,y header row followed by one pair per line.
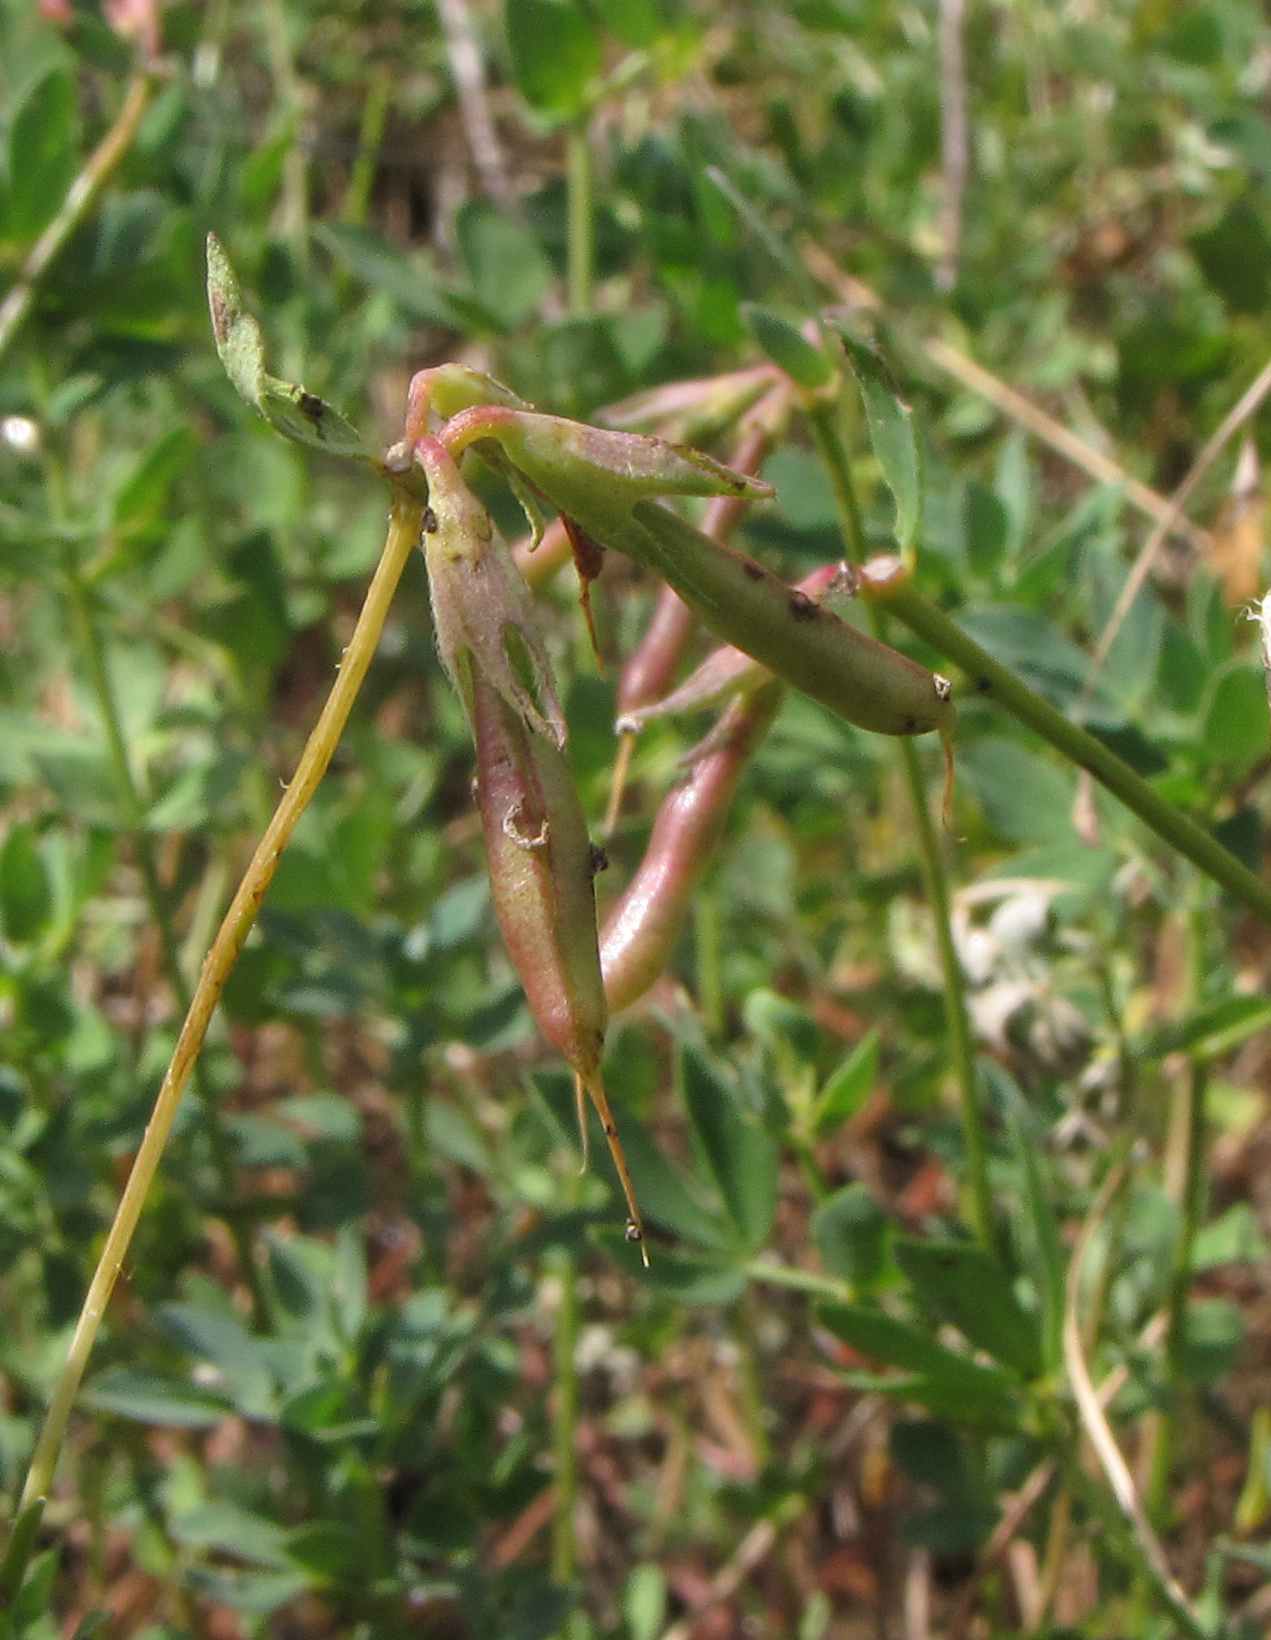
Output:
x,y
726,671
866,682
641,928
653,663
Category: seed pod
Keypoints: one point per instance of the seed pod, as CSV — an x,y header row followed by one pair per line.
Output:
x,y
541,868
725,671
692,411
481,606
537,848
652,664
641,928
605,489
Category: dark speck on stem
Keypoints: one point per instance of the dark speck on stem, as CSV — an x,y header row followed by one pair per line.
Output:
x,y
802,607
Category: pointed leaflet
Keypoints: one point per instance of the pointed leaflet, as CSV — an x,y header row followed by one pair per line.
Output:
x,y
741,1157
960,1282
892,434
289,408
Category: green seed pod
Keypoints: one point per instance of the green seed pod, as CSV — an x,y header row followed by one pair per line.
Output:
x,y
606,490
724,672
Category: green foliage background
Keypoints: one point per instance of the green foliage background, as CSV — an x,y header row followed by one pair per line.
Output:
x,y
440,1398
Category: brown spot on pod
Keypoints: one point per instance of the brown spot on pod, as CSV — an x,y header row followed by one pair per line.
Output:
x,y
802,607
428,522
599,860
751,569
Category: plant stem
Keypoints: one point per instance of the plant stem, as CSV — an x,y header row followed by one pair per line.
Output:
x,y
565,1422
829,447
81,196
578,228
980,1205
994,681
403,533
133,807
834,456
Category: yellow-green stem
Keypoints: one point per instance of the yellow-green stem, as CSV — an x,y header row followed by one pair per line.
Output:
x,y
403,533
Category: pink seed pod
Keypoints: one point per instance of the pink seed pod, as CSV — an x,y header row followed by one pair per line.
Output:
x,y
641,928
726,670
539,855
614,468
692,411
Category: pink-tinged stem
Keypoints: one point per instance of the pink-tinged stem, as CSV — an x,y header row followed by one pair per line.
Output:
x,y
641,928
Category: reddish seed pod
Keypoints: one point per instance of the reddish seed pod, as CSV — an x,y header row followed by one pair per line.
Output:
x,y
641,928
540,857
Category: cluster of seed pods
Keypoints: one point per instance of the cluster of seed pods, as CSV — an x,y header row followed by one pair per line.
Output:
x,y
607,486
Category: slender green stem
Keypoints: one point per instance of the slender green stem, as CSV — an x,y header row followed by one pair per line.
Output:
x,y
1190,1120
403,533
579,227
997,682
825,433
980,1205
295,183
565,1422
710,984
81,196
370,137
821,419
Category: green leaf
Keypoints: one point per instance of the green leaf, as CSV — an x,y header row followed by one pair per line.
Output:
x,y
43,156
851,1230
555,54
148,1398
960,1282
689,1278
847,1088
403,277
741,1157
289,409
935,1377
218,1337
140,502
891,433
1210,1031
508,267
787,347
229,1529
26,899
1235,733
635,22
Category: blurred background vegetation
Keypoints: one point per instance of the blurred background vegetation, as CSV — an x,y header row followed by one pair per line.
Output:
x,y
379,1364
